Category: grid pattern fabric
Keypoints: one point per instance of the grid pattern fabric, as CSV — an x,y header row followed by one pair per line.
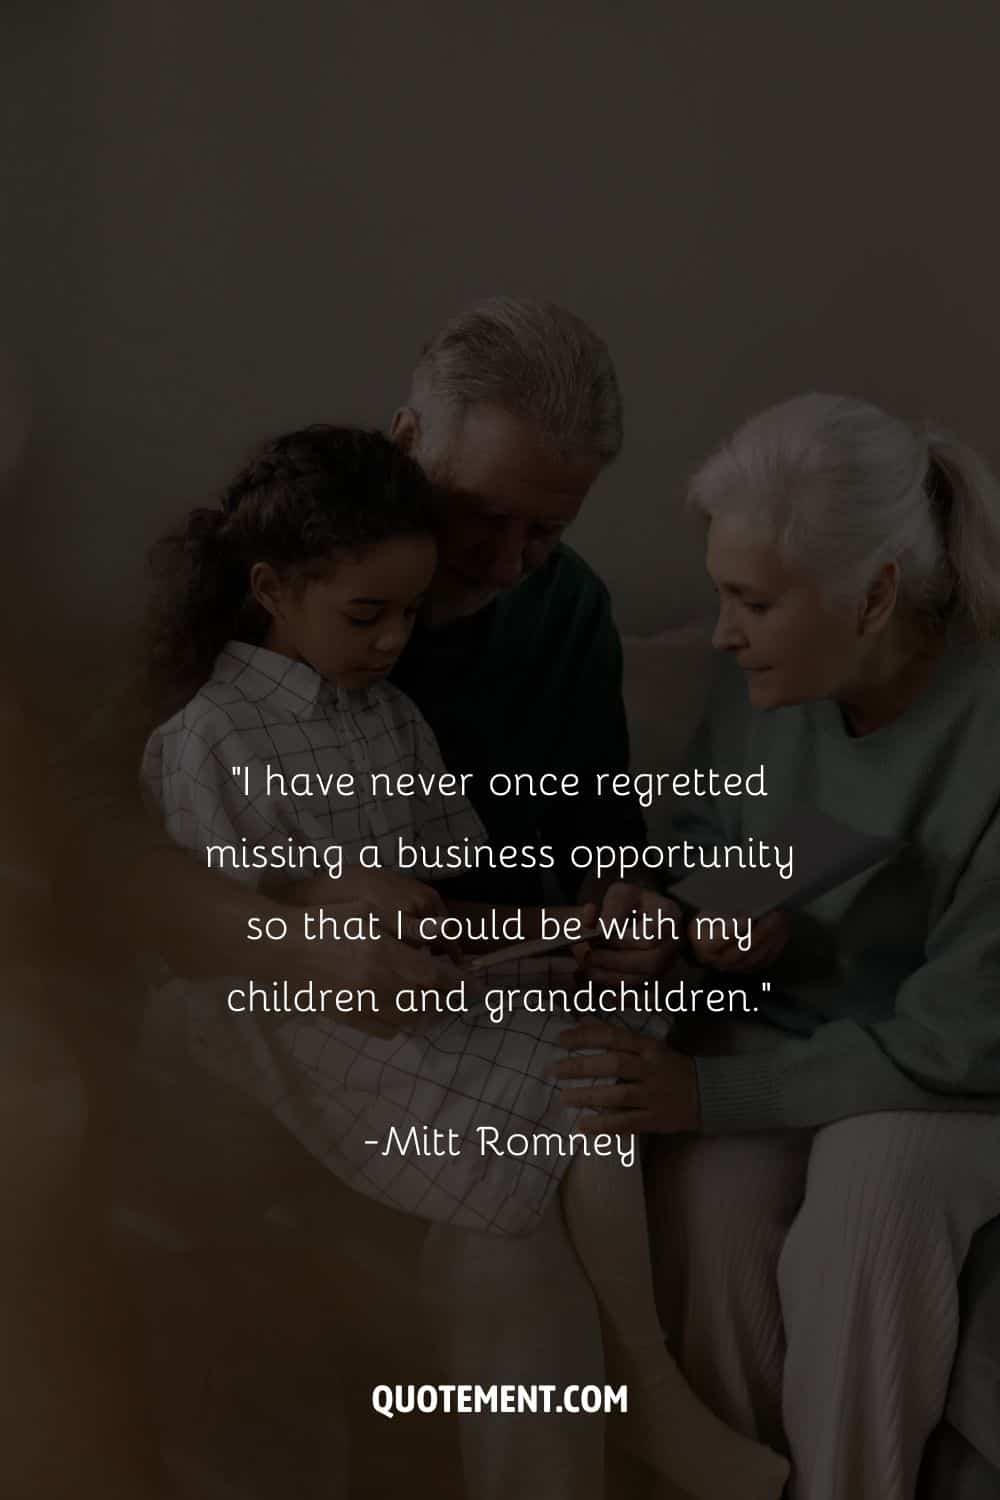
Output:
x,y
334,1087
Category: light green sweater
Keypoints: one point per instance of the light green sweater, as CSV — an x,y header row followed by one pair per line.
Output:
x,y
888,994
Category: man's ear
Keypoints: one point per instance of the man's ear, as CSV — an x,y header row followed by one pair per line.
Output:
x,y
405,429
879,603
265,585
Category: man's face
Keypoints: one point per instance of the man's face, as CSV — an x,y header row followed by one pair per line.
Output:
x,y
504,498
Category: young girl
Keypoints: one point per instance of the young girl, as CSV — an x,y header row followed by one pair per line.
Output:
x,y
289,604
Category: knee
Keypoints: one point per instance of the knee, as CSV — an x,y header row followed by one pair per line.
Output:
x,y
881,1161
719,1211
709,1185
875,1190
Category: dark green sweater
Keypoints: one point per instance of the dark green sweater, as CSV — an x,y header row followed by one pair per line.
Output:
x,y
531,683
888,994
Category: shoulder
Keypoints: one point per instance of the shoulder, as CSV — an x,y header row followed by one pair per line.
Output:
x,y
573,572
983,665
568,578
971,686
198,732
563,596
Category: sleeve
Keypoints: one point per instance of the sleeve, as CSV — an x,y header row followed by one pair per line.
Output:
x,y
940,1050
186,776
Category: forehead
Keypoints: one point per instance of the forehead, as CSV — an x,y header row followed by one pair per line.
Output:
x,y
738,556
502,462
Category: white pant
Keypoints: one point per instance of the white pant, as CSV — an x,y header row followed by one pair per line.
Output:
x,y
518,1309
521,1310
808,1283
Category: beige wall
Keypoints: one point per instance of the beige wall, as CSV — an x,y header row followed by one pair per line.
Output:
x,y
222,217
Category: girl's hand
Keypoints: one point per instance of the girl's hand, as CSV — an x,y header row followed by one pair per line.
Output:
x,y
384,892
768,938
655,1087
386,967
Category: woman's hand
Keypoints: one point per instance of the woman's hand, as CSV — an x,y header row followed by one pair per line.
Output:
x,y
768,938
655,1088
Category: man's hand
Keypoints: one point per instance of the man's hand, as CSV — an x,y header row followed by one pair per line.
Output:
x,y
611,959
654,1088
767,941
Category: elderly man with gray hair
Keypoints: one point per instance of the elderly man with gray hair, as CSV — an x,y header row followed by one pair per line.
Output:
x,y
514,411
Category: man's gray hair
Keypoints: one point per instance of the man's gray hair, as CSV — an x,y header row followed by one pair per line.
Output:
x,y
535,360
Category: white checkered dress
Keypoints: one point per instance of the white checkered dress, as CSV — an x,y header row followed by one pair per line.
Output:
x,y
334,1087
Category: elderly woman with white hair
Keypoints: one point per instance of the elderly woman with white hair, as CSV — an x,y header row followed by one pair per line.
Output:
x,y
822,1167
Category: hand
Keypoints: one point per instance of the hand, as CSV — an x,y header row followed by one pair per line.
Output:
x,y
611,960
383,965
768,938
656,1087
384,892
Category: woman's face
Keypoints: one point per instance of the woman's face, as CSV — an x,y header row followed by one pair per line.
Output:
x,y
792,643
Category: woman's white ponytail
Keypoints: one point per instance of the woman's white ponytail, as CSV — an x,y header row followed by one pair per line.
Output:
x,y
967,498
842,488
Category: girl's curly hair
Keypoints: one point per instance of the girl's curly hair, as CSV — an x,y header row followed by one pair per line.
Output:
x,y
303,499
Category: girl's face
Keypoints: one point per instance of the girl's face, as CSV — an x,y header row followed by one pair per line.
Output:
x,y
352,624
792,643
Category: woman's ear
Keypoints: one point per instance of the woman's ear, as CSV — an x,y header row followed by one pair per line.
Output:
x,y
265,585
405,429
879,603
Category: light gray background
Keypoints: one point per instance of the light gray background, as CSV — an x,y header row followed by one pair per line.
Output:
x,y
223,217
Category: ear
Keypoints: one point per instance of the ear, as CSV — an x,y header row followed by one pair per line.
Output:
x,y
879,603
266,587
405,429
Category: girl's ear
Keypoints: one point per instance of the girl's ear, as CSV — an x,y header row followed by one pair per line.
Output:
x,y
879,603
405,429
265,585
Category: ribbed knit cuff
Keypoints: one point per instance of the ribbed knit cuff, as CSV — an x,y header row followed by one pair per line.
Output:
x,y
739,1093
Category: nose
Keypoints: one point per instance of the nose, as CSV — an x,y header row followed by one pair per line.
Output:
x,y
393,637
727,635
